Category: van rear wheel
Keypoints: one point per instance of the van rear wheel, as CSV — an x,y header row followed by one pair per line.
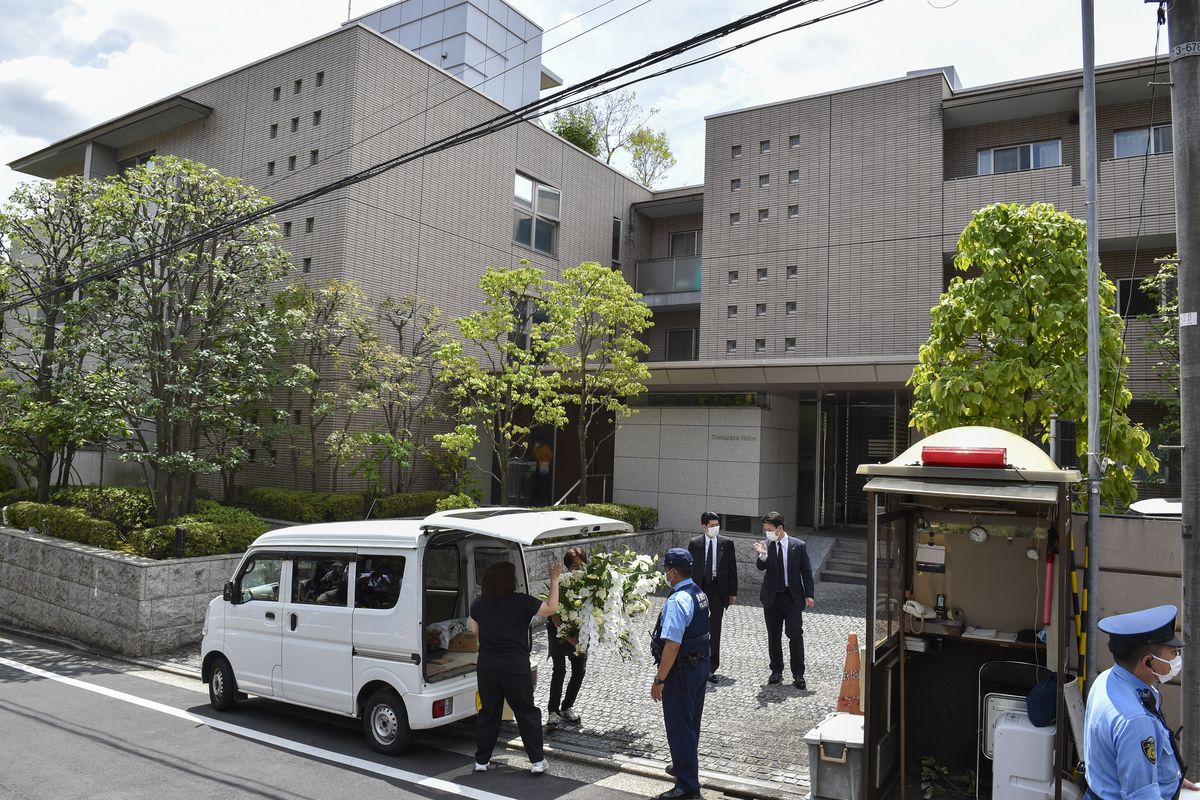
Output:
x,y
385,721
222,686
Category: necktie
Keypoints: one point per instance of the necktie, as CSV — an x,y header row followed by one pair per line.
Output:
x,y
712,564
779,572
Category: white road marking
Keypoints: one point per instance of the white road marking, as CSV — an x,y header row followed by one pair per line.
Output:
x,y
401,775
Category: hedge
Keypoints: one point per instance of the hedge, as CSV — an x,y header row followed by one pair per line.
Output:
x,y
642,518
64,523
15,496
453,502
409,504
296,505
127,508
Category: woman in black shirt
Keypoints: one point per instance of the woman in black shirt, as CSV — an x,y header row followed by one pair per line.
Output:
x,y
500,617
561,651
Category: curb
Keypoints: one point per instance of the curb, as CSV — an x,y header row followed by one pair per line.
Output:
x,y
728,785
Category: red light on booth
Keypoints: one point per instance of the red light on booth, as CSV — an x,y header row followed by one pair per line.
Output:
x,y
996,457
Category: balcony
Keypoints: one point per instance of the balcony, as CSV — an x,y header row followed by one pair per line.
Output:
x,y
669,282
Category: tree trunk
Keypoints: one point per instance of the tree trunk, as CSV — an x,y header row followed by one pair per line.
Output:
x,y
44,472
583,464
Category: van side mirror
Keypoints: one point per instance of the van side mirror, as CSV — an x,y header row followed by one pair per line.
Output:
x,y
228,593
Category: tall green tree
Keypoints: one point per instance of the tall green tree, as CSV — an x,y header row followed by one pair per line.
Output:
x,y
594,320
50,232
1162,341
1008,348
578,126
187,332
495,373
650,155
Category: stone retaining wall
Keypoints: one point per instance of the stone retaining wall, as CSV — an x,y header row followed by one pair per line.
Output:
x,y
115,602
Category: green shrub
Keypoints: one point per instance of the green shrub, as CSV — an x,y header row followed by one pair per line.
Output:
x,y
64,523
8,478
410,504
15,496
642,518
125,507
455,501
212,531
296,505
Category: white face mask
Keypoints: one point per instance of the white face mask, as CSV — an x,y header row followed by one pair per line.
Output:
x,y
713,531
1176,667
772,536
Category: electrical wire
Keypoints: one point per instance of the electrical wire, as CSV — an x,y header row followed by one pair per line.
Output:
x,y
1137,241
498,123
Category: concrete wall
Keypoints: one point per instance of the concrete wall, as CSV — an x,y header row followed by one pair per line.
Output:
x,y
118,603
685,461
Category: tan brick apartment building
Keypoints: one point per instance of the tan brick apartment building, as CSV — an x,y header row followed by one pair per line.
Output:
x,y
790,291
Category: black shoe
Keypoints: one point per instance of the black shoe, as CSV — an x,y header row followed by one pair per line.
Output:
x,y
712,678
679,794
800,684
671,770
776,677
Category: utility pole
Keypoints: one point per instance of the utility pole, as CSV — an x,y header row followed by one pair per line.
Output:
x,y
1094,472
1183,38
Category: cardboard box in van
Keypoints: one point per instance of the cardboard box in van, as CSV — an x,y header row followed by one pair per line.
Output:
x,y
466,642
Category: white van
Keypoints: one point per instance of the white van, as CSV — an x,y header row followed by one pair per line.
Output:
x,y
369,619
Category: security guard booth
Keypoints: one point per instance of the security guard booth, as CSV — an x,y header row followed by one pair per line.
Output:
x,y
968,608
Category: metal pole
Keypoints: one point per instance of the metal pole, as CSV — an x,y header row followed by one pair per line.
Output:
x,y
1088,133
1183,36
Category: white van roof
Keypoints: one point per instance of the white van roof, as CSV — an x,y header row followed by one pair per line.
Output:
x,y
369,533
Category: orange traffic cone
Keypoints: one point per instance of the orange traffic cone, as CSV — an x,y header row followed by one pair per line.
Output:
x,y
848,700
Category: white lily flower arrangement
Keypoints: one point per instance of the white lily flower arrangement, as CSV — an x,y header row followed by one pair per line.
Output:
x,y
600,603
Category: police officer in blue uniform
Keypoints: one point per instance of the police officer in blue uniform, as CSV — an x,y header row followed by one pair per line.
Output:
x,y
1128,750
681,650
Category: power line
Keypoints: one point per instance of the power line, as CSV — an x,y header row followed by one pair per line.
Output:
x,y
500,122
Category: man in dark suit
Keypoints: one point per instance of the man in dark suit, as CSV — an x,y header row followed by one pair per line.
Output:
x,y
786,591
716,572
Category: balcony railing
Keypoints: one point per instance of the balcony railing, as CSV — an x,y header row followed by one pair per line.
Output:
x,y
668,275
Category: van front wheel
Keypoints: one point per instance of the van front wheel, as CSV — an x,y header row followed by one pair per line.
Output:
x,y
385,722
222,686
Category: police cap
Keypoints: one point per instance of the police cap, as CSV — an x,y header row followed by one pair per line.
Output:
x,y
678,557
1151,626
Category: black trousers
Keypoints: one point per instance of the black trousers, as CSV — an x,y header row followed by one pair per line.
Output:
x,y
785,616
560,657
517,688
716,613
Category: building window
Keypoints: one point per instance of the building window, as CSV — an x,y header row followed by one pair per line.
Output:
x,y
764,181
616,243
309,223
760,345
764,146
737,151
1130,293
1035,155
681,344
735,185
275,93
764,215
733,276
794,140
731,345
793,176
731,312
735,219
793,212
316,118
134,162
762,274
685,244
287,229
789,343
792,272
297,86
791,308
536,217
291,163
313,155
1140,141
320,79
760,310
296,417
253,454
307,265
270,167
295,124
274,130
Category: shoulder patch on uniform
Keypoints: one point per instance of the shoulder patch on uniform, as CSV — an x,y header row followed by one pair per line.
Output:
x,y
1149,750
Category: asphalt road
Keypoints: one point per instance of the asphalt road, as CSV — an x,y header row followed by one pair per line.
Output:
x,y
80,727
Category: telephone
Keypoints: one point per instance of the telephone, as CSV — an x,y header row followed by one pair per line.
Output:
x,y
915,609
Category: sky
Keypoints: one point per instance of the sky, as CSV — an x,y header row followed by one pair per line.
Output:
x,y
68,64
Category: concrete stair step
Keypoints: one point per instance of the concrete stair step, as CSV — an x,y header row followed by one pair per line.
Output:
x,y
842,565
839,576
857,545
848,555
